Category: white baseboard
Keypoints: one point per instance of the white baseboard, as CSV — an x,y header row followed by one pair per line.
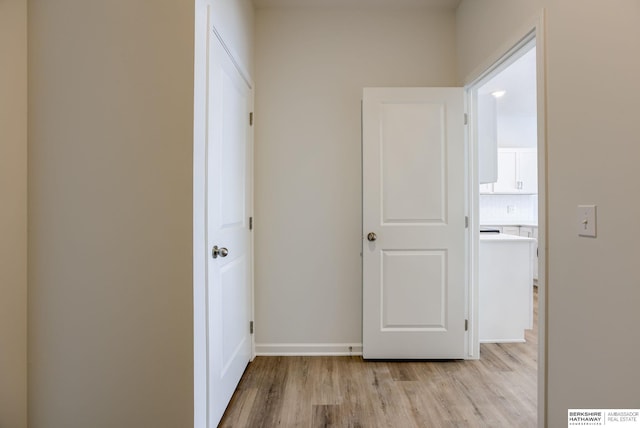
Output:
x,y
308,349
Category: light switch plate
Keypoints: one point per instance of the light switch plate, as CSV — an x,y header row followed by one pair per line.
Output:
x,y
587,220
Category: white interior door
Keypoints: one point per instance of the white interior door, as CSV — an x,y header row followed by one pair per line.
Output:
x,y
228,235
413,223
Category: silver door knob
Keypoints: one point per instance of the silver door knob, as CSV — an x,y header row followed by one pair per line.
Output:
x,y
372,236
222,252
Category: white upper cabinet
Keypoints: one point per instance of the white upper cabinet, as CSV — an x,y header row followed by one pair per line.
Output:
x,y
507,172
487,132
527,170
517,172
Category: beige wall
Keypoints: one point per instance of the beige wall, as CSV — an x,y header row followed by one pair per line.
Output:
x,y
110,213
593,284
311,66
13,213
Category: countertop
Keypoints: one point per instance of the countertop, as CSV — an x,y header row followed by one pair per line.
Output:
x,y
508,223
501,237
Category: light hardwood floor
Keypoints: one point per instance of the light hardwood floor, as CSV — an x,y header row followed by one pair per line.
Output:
x,y
499,390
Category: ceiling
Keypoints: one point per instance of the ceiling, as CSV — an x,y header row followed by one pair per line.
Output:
x,y
441,4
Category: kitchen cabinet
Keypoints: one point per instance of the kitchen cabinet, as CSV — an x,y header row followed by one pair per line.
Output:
x,y
531,232
507,172
527,170
511,230
486,188
535,261
525,232
487,135
505,291
517,172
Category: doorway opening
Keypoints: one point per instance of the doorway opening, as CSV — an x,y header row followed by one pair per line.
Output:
x,y
507,200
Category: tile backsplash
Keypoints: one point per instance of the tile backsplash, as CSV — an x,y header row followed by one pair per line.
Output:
x,y
498,209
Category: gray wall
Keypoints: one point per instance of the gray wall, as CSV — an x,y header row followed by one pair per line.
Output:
x,y
110,213
311,66
13,213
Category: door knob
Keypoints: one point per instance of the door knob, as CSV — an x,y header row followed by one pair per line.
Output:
x,y
222,252
372,236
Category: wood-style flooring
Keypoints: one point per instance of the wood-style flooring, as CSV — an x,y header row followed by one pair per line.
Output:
x,y
499,390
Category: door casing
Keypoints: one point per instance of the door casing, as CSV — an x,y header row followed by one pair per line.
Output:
x,y
531,31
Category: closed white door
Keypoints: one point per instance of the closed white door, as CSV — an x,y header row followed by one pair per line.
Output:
x,y
227,228
413,223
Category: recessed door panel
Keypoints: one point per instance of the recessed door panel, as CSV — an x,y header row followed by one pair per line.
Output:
x,y
234,312
414,295
233,169
413,162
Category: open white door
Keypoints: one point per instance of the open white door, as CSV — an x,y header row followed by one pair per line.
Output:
x,y
413,223
222,242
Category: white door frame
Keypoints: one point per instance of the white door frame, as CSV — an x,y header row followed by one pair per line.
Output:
x,y
204,24
534,30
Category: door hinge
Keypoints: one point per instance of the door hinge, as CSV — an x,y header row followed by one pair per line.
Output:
x,y
466,119
250,327
250,223
250,118
466,222
466,325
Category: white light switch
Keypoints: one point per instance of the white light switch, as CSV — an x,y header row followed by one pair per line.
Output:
x,y
587,220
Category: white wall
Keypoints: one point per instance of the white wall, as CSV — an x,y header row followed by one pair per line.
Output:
x,y
110,213
517,131
311,66
593,151
13,213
